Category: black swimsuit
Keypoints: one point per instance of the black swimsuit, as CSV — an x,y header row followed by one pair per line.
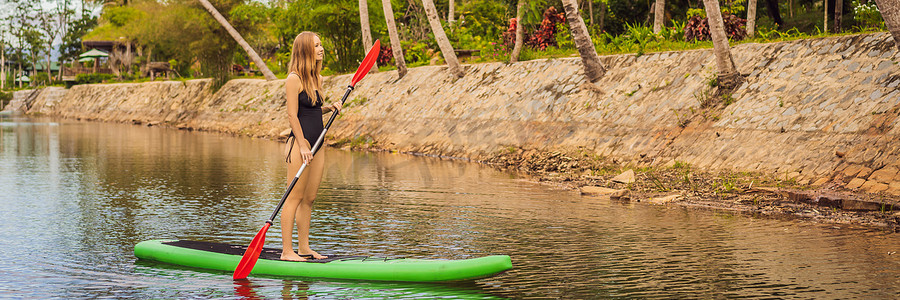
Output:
x,y
310,120
310,117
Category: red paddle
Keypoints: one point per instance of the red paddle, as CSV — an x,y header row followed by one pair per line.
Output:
x,y
252,254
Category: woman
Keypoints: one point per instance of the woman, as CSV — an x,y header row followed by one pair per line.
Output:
x,y
305,109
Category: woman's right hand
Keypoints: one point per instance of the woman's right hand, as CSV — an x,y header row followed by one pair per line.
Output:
x,y
305,154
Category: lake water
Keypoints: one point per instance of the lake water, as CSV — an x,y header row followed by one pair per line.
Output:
x,y
75,197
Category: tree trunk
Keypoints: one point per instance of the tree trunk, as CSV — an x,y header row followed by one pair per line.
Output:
x,y
395,38
658,15
825,25
728,77
520,32
591,11
450,11
442,40
240,40
593,68
838,13
602,15
366,32
890,11
2,67
751,18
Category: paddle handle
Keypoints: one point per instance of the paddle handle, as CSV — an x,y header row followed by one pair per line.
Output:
x,y
315,149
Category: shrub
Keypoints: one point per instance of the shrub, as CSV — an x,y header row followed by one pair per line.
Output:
x,y
92,78
545,35
867,14
385,55
697,28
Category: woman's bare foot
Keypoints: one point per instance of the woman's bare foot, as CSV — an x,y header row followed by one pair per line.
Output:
x,y
291,256
314,254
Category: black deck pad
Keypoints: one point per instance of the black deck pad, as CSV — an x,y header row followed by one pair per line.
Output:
x,y
267,253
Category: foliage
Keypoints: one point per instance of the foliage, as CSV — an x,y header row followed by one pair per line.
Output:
x,y
336,22
71,40
867,15
623,12
93,78
5,98
484,18
698,29
417,53
545,35
385,55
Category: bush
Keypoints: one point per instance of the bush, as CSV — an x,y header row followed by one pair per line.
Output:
x,y
92,78
5,98
867,15
545,35
697,28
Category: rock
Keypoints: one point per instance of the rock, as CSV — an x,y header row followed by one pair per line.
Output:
x,y
851,170
853,204
626,177
894,188
874,187
285,133
820,182
885,174
855,183
620,195
666,199
597,190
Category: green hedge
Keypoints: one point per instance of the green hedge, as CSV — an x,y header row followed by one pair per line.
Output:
x,y
92,78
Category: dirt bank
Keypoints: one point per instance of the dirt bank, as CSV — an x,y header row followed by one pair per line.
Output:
x,y
679,184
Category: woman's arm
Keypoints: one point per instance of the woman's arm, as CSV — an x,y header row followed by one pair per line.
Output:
x,y
292,87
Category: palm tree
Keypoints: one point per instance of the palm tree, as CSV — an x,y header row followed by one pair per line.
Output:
x,y
658,16
240,40
395,38
450,16
593,68
520,32
890,11
366,32
442,40
751,17
728,76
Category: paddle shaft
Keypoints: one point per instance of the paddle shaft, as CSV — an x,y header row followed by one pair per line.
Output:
x,y
315,149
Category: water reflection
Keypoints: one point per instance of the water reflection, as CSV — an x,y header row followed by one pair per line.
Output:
x,y
76,197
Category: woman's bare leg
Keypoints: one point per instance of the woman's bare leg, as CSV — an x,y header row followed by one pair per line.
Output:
x,y
292,203
304,211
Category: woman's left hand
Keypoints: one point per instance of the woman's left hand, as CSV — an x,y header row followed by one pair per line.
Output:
x,y
336,107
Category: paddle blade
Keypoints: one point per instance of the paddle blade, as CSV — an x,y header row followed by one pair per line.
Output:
x,y
252,254
367,63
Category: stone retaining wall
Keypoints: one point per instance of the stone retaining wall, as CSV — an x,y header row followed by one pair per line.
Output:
x,y
819,110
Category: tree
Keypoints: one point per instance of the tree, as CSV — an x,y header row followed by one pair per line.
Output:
x,y
442,41
51,23
658,16
838,12
366,32
240,40
520,32
395,38
890,11
450,11
825,22
593,68
751,17
728,77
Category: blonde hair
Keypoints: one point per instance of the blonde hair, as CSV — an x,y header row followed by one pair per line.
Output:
x,y
304,63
